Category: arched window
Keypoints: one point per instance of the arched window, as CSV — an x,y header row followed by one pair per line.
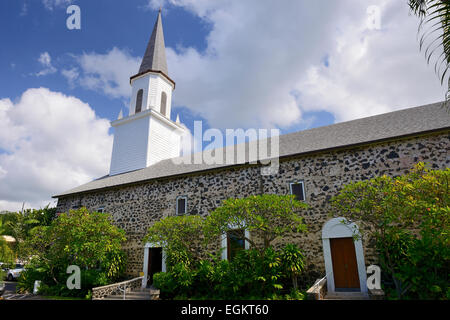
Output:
x,y
163,103
139,101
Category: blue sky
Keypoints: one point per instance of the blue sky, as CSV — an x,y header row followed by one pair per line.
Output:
x,y
237,64
29,29
105,24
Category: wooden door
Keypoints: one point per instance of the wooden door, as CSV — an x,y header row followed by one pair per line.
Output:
x,y
345,268
154,263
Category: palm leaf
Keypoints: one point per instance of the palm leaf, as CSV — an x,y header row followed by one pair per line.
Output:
x,y
434,31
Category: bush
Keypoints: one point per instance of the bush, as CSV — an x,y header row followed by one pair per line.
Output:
x,y
87,240
408,218
181,237
252,274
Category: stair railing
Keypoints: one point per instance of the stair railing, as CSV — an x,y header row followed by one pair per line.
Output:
x,y
121,287
316,285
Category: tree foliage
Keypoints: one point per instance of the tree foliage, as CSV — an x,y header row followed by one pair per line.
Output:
x,y
408,218
250,275
293,262
21,226
269,216
259,272
181,237
86,239
435,34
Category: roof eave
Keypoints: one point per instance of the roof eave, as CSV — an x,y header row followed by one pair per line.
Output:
x,y
347,146
153,71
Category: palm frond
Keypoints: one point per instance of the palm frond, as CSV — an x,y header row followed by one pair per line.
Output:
x,y
434,32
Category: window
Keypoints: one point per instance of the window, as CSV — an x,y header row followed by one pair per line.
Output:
x,y
298,190
163,103
139,101
235,242
181,205
101,210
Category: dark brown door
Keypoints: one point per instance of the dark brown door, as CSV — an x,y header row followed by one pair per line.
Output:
x,y
345,268
154,263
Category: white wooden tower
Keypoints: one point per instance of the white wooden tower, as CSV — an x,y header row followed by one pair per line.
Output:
x,y
148,135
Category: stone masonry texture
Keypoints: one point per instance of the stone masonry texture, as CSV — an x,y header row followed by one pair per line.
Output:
x,y
135,207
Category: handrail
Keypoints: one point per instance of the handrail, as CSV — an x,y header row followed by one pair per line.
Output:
x,y
124,290
319,281
121,286
119,283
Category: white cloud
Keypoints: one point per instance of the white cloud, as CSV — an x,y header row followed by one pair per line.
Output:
x,y
108,73
46,61
49,143
372,71
24,10
52,4
71,75
263,65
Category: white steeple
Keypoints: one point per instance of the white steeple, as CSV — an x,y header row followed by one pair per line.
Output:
x,y
147,135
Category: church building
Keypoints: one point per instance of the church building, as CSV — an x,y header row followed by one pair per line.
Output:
x,y
145,184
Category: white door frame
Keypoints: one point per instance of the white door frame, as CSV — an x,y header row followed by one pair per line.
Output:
x,y
147,248
341,228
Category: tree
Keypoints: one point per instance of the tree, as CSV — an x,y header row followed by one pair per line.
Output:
x,y
270,216
180,236
293,262
86,239
6,253
21,226
258,272
436,15
408,218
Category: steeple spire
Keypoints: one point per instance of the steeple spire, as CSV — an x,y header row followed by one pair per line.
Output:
x,y
155,55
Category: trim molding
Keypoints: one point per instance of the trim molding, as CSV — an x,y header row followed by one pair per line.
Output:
x,y
341,228
147,246
132,78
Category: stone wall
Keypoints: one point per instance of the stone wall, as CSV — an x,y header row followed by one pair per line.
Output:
x,y
135,207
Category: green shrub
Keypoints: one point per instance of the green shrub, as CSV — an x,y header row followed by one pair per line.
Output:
x,y
256,273
293,262
252,274
408,218
87,240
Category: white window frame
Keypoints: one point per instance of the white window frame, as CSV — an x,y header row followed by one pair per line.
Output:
x,y
225,241
101,209
302,182
185,205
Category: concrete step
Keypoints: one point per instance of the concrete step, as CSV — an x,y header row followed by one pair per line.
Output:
x,y
114,297
346,296
142,294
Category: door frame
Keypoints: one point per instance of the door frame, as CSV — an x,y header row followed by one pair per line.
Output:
x,y
342,228
147,248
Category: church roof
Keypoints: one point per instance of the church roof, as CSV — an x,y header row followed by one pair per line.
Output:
x,y
155,55
388,126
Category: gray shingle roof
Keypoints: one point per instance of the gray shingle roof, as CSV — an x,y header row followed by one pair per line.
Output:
x,y
405,122
155,55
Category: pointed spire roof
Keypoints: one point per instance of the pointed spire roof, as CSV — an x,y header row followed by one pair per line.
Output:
x,y
155,55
